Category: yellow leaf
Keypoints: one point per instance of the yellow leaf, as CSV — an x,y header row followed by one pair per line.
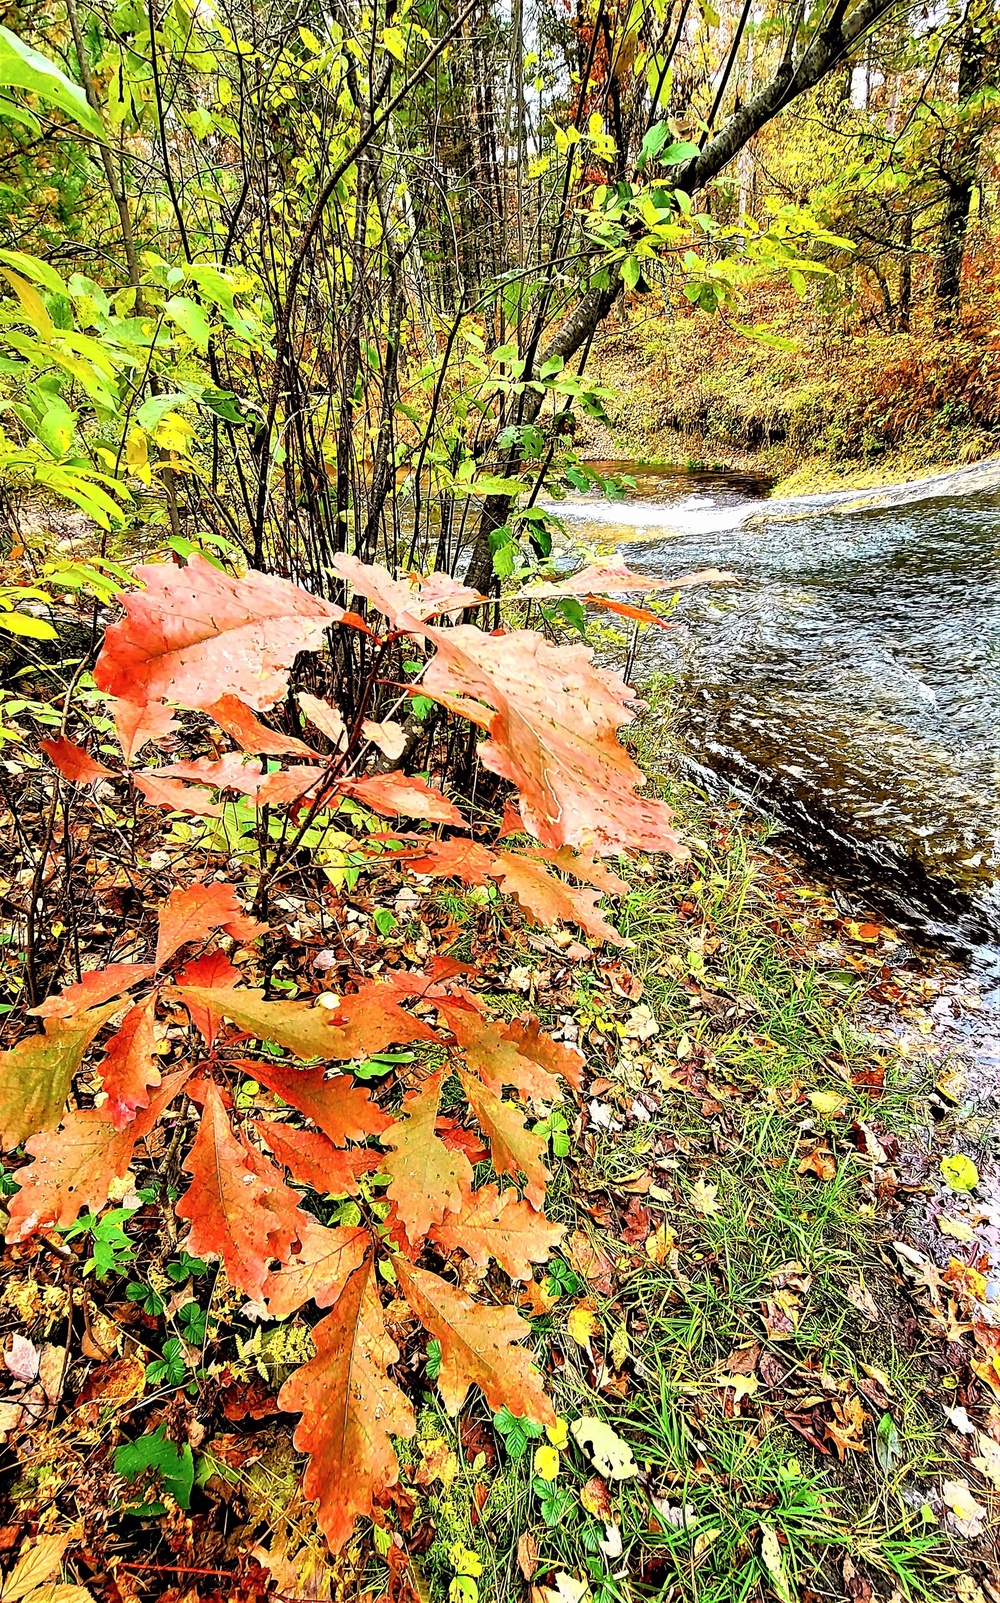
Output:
x,y
39,1561
959,1172
988,1460
581,1324
704,1197
660,1243
955,1227
546,1463
558,1434
743,1385
770,1552
962,1503
827,1102
31,304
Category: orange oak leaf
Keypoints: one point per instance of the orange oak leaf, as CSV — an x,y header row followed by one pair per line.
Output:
x,y
287,785
389,737
552,718
317,1269
530,1040
233,1207
130,1067
479,1346
494,1054
139,722
427,1176
457,858
192,912
73,1168
371,1021
35,1075
548,900
513,1148
213,971
228,772
407,600
325,717
583,865
195,633
497,1224
350,1410
613,575
235,717
398,795
96,986
73,762
625,609
343,1111
178,796
312,1158
283,1201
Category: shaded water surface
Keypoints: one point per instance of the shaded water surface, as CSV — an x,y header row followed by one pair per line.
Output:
x,y
850,683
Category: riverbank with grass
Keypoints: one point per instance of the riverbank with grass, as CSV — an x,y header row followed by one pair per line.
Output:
x,y
791,1383
806,405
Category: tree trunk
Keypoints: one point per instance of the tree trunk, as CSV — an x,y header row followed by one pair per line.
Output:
x,y
961,184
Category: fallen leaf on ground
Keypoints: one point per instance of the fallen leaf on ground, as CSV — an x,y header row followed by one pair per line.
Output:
x,y
968,1514
959,1172
957,1228
595,1499
581,1324
527,1555
770,1552
607,1452
21,1358
705,1197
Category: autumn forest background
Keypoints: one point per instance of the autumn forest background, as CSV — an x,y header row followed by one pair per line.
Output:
x,y
453,1148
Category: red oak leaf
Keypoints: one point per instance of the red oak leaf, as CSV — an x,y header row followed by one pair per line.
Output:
x,y
513,1148
73,762
549,900
180,798
427,1176
130,1067
398,795
192,912
407,600
457,858
287,785
556,1056
312,1158
212,970
235,717
317,1269
583,865
493,1052
343,1111
363,1024
233,1207
614,575
496,1224
96,986
194,634
139,722
551,717
479,1346
350,1410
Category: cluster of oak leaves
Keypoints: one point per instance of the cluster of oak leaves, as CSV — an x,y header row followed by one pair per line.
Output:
x,y
196,637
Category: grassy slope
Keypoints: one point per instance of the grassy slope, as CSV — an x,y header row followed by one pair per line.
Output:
x,y
783,1273
871,408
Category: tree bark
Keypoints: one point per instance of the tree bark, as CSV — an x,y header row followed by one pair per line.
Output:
x,y
961,185
832,41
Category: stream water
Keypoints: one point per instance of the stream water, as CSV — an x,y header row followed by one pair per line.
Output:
x,y
849,684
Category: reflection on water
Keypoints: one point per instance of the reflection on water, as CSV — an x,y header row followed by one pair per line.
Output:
x,y
851,682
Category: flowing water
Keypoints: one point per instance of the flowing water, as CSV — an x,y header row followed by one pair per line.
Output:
x,y
849,683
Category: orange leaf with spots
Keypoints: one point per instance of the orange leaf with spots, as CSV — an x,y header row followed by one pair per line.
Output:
x,y
193,912
195,633
493,1052
350,1410
343,1111
360,1025
497,1224
213,971
513,1148
398,795
252,736
228,772
35,1075
549,900
427,1176
311,1157
139,722
317,1268
96,986
234,1207
177,796
479,1346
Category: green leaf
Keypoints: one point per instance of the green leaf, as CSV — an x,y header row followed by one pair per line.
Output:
x,y
30,267
15,113
190,319
631,271
683,150
24,68
57,428
174,1465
